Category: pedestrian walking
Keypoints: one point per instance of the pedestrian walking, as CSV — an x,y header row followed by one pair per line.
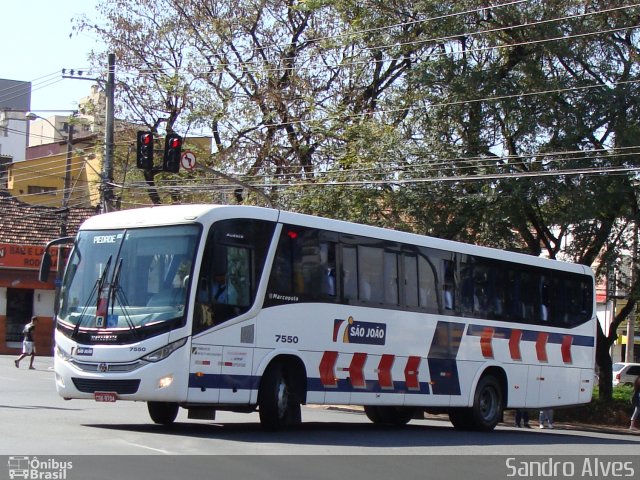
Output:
x,y
635,401
28,347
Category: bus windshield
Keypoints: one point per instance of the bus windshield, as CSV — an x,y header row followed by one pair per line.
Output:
x,y
129,278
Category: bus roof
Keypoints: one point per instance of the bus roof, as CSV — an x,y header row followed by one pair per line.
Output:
x,y
205,213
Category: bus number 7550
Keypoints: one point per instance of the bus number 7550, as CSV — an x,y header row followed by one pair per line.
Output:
x,y
286,339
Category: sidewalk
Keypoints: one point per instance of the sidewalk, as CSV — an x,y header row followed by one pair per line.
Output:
x,y
510,422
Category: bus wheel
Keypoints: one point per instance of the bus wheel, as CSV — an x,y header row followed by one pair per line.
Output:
x,y
487,404
163,413
373,413
278,404
382,414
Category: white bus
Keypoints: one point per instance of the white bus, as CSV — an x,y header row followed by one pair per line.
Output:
x,y
235,308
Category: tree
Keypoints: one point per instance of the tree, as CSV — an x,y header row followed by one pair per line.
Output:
x,y
511,125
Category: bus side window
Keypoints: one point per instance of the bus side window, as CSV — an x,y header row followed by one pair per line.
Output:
x,y
370,274
448,286
238,281
304,267
232,264
391,278
349,273
410,283
428,284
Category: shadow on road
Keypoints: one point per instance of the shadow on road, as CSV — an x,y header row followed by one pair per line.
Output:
x,y
363,435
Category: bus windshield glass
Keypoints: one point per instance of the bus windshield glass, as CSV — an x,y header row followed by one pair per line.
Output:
x,y
130,278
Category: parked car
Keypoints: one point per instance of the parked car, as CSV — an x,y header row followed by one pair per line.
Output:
x,y
625,373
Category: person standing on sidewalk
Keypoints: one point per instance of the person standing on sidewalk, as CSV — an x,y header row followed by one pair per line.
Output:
x,y
546,415
635,401
522,418
28,348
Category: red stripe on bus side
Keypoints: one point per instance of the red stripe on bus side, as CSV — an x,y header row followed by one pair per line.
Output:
x,y
327,369
411,373
356,374
567,340
541,347
385,378
485,342
514,344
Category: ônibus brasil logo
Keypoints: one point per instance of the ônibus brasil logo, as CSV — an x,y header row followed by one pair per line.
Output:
x,y
32,468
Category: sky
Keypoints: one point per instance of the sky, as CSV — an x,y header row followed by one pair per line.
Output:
x,y
37,46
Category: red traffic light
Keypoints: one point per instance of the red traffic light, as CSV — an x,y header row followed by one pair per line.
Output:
x,y
172,153
144,150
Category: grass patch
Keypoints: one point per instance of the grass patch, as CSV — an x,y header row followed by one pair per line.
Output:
x,y
617,411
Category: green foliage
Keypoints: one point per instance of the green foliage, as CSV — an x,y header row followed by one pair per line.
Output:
x,y
614,411
512,124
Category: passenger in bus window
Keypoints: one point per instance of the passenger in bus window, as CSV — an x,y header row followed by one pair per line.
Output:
x,y
219,289
330,282
544,298
448,297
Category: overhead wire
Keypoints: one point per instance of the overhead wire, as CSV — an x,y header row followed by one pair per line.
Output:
x,y
259,67
494,98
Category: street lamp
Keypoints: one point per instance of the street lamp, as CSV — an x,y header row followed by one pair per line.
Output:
x,y
30,116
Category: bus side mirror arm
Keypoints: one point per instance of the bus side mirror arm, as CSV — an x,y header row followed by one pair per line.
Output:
x,y
45,264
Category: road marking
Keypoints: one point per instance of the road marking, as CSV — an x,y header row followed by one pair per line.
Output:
x,y
166,452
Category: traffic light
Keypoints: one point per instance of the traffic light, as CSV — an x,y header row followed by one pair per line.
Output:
x,y
144,150
172,152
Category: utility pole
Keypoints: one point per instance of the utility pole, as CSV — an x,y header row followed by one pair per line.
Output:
x,y
107,169
67,181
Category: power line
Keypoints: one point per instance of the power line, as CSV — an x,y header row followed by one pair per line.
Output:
x,y
261,69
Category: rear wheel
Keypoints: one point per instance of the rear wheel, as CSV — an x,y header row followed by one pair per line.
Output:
x,y
163,413
487,407
278,403
386,415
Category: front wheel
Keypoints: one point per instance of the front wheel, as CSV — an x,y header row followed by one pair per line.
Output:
x,y
163,413
278,404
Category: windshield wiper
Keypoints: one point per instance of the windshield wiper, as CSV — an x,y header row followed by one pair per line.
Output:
x,y
116,292
99,285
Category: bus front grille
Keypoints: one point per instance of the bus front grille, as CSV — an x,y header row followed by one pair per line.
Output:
x,y
122,387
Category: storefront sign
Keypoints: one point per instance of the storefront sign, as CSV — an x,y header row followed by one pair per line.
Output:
x,y
26,257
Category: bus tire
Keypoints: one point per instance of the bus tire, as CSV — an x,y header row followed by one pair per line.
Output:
x,y
387,415
163,413
373,413
278,404
487,407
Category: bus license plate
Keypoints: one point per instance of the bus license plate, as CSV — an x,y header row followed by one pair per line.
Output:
x,y
105,396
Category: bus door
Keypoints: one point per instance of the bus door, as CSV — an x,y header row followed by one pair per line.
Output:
x,y
232,265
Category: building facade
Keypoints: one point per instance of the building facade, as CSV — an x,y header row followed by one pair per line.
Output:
x,y
15,101
24,231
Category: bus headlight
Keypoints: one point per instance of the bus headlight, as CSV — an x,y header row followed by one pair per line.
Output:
x,y
62,355
165,351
